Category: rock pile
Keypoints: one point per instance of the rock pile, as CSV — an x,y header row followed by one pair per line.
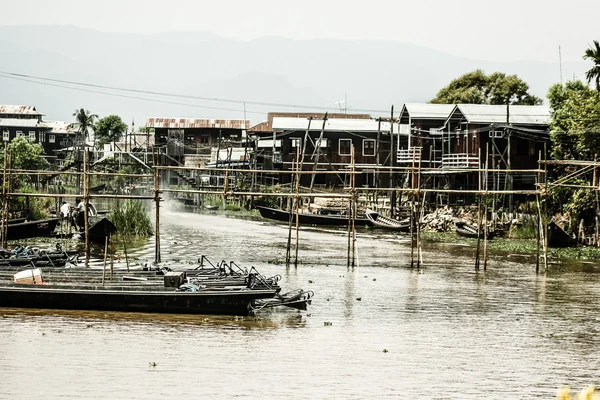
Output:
x,y
441,220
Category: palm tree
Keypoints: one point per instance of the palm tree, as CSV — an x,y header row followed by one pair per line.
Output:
x,y
593,54
85,120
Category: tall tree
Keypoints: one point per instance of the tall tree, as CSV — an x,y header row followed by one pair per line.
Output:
x,y
593,54
84,121
109,129
574,128
478,88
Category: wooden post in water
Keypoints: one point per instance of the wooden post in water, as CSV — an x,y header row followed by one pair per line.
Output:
x,y
105,256
291,217
297,204
478,215
112,255
4,203
353,192
157,206
86,205
597,201
485,208
539,216
412,214
418,216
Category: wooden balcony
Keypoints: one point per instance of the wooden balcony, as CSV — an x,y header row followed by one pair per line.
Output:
x,y
460,161
409,156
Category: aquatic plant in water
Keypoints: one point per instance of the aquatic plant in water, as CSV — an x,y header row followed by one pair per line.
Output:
x,y
131,219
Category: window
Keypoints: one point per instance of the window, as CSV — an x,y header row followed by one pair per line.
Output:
x,y
42,136
6,136
51,138
345,147
19,133
32,135
297,142
368,147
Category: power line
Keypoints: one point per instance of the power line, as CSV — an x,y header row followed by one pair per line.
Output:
x,y
215,99
127,96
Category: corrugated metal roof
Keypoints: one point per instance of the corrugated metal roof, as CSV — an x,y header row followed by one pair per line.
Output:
x,y
58,127
427,111
332,125
19,122
490,114
261,127
186,123
10,109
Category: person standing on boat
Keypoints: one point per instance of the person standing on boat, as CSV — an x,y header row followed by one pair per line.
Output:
x,y
65,210
78,214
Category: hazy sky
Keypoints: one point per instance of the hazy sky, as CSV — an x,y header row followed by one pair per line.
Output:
x,y
479,29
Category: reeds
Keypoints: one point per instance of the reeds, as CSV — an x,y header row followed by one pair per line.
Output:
x,y
131,219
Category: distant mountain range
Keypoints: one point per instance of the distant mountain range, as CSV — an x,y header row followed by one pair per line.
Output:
x,y
373,74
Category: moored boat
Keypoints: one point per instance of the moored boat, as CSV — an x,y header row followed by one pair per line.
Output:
x,y
379,221
310,219
558,237
470,231
25,230
131,299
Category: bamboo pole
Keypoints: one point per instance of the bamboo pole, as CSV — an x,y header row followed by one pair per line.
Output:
x,y
298,166
290,220
86,205
353,210
125,251
417,214
105,256
112,255
157,206
4,201
412,215
478,218
485,212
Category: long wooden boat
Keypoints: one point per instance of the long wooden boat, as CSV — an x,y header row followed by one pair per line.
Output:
x,y
379,221
558,237
212,301
25,230
310,219
466,230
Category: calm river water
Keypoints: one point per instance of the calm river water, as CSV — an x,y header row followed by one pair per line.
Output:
x,y
449,332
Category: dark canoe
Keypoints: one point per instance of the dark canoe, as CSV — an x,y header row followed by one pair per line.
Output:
x,y
99,188
218,302
99,229
25,230
466,230
309,219
379,221
558,237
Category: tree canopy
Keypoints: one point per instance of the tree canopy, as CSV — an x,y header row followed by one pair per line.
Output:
x,y
575,124
109,129
593,54
478,88
26,154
